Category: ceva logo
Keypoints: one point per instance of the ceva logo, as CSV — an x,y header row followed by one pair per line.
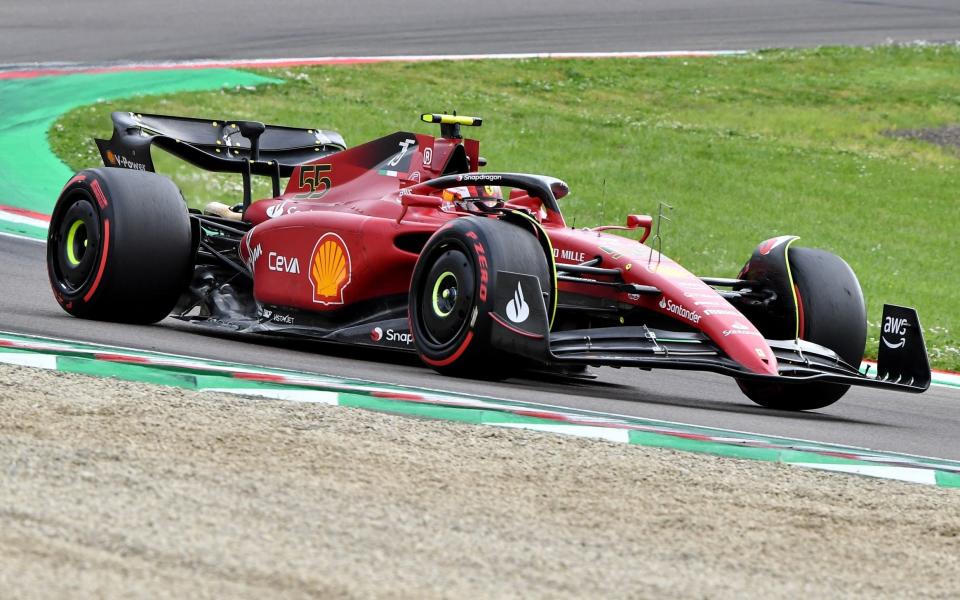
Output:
x,y
278,262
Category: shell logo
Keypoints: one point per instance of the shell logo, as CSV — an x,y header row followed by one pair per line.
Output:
x,y
330,270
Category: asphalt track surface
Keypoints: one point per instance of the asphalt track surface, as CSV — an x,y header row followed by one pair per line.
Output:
x,y
147,30
137,30
923,424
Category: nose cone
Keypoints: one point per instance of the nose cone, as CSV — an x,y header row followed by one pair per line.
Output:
x,y
699,304
741,341
687,299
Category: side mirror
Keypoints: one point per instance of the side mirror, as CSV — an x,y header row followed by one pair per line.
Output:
x,y
559,189
644,222
408,200
420,200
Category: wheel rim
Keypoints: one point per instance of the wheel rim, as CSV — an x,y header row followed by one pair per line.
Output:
x,y
445,294
447,297
76,245
76,242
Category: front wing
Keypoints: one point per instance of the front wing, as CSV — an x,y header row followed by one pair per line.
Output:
x,y
799,361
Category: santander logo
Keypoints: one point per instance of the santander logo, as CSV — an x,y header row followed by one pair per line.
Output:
x,y
679,310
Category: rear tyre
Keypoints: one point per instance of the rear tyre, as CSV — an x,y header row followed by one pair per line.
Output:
x,y
452,293
832,313
118,248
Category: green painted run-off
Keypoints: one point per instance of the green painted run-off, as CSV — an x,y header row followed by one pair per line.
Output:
x,y
32,175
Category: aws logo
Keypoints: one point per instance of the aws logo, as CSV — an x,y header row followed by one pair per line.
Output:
x,y
895,326
330,269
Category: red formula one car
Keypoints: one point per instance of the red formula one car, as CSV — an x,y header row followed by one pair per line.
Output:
x,y
401,242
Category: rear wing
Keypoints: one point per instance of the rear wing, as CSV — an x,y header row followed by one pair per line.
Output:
x,y
213,145
224,146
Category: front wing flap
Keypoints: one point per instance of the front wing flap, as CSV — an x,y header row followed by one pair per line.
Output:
x,y
799,361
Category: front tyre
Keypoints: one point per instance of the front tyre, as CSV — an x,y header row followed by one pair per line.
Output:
x,y
452,293
830,312
118,247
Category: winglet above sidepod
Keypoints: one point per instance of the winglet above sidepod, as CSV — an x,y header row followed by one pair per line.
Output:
x,y
451,119
903,355
450,124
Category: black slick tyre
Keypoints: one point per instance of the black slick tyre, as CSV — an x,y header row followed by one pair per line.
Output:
x,y
118,248
831,313
452,293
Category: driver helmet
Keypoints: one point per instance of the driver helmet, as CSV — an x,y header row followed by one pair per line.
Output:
x,y
465,197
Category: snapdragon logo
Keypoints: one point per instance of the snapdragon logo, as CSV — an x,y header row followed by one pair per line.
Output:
x,y
390,335
679,310
479,177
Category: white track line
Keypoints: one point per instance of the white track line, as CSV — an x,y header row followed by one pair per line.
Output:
x,y
297,61
19,219
27,238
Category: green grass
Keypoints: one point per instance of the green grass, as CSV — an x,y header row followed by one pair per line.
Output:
x,y
743,147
